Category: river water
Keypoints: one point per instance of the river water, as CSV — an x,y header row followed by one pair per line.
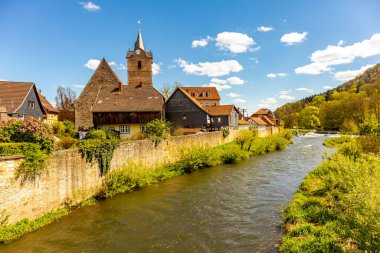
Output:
x,y
229,208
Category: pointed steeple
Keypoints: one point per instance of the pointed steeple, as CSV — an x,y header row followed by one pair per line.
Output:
x,y
139,44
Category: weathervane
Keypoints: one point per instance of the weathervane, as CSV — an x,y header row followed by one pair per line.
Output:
x,y
139,24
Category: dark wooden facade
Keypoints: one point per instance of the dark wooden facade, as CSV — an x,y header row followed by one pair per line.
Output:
x,y
104,118
183,112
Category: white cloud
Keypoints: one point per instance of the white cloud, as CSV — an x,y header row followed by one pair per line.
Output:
x,y
122,66
112,63
90,6
219,87
240,101
286,96
284,92
213,69
322,60
156,68
351,74
326,87
268,103
201,42
233,95
264,28
255,49
341,42
234,80
274,75
234,42
78,86
292,38
92,64
305,89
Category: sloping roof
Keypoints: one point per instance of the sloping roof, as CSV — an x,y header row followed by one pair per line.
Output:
x,y
196,102
243,122
139,44
46,104
214,94
219,110
258,121
13,94
267,120
263,111
140,98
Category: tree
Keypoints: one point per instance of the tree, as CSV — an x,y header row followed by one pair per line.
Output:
x,y
157,130
167,90
65,103
308,117
317,101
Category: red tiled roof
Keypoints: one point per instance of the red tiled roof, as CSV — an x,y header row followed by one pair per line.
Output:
x,y
267,120
46,104
243,122
201,92
13,94
219,110
258,121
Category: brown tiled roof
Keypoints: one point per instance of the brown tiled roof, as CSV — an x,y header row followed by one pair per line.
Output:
x,y
219,110
243,122
262,111
258,121
13,94
214,95
196,102
131,98
267,120
46,104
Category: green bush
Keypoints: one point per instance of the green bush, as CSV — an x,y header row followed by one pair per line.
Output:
x,y
112,134
334,142
99,149
96,134
7,149
34,162
66,142
158,130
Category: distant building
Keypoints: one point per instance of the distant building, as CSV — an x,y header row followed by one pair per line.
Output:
x,y
185,110
20,100
105,103
51,115
267,116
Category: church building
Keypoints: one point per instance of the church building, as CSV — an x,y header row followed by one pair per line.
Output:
x,y
106,103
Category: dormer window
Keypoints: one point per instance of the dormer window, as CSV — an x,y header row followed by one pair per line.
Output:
x,y
208,94
139,65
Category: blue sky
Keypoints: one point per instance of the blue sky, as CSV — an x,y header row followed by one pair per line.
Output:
x,y
258,53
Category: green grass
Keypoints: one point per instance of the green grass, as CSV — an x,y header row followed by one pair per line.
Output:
x,y
334,142
337,207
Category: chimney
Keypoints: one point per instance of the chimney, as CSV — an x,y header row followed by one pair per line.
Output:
x,y
120,86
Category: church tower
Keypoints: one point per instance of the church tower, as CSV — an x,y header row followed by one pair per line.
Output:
x,y
139,64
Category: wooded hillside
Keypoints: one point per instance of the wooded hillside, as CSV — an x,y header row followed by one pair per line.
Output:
x,y
343,108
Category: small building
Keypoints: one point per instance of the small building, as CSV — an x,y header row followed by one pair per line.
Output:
x,y
266,115
243,124
51,113
184,110
20,100
257,123
105,103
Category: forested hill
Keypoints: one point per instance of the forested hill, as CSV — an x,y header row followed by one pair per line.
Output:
x,y
342,108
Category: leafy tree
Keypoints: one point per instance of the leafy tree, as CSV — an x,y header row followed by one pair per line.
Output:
x,y
317,101
158,129
308,117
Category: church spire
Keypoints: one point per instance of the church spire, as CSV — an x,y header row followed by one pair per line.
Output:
x,y
139,44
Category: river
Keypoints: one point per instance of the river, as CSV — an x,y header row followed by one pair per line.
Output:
x,y
229,208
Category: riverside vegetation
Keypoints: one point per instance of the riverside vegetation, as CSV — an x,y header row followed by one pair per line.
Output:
x,y
337,207
136,175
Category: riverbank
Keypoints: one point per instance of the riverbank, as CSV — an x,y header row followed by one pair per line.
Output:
x,y
134,175
337,207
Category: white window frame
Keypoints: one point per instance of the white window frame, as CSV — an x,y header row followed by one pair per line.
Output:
x,y
219,120
125,129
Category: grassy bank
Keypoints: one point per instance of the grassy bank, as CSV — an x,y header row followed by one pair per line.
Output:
x,y
134,176
337,207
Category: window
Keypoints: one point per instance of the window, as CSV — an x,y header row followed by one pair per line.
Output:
x,y
143,128
219,120
31,105
208,94
184,116
139,65
124,129
212,120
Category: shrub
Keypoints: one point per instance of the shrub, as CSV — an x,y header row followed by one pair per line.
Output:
x,y
158,129
112,134
244,136
30,130
66,142
59,128
7,149
34,162
96,134
102,150
334,142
